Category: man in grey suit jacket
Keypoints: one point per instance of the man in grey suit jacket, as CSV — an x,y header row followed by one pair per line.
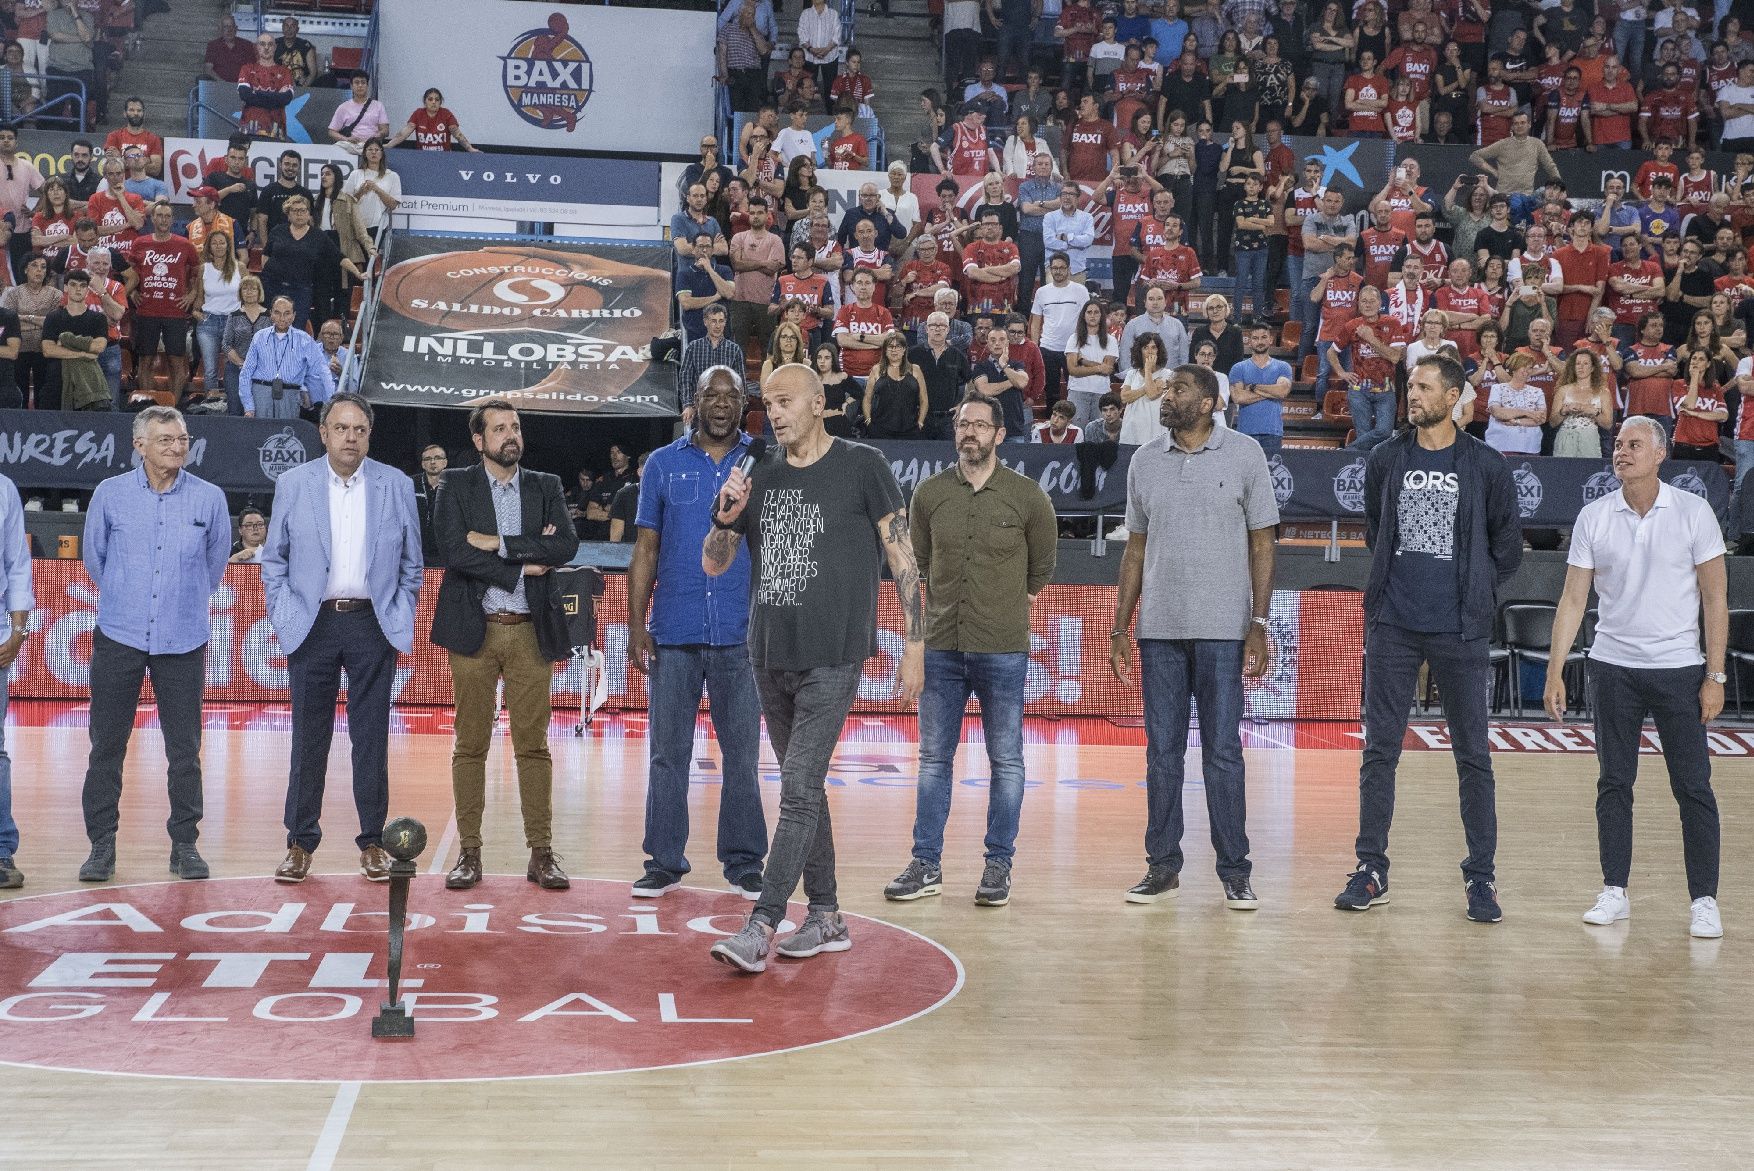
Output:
x,y
341,570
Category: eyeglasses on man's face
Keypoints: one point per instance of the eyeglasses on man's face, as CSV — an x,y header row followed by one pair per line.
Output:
x,y
978,426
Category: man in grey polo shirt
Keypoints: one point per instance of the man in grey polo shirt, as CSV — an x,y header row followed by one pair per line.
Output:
x,y
1200,526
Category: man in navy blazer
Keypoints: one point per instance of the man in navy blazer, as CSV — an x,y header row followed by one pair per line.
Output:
x,y
341,570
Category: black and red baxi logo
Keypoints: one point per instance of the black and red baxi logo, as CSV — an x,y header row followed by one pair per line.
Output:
x,y
547,76
225,979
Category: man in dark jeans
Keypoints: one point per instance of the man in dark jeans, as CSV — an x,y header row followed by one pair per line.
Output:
x,y
1656,559
156,541
698,636
1441,519
1201,521
822,516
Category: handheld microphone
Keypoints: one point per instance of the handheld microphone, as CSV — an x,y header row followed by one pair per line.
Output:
x,y
746,465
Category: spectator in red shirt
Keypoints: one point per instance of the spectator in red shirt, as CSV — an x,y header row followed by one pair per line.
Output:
x,y
1495,103
861,325
226,55
1612,106
1699,408
1584,266
1336,292
1669,111
963,148
847,148
1088,144
1636,286
1415,61
169,288
134,135
852,83
265,89
1664,150
1366,351
1379,245
989,268
1465,306
118,213
1059,428
1366,96
1171,266
1649,368
1568,117
921,279
1028,354
433,127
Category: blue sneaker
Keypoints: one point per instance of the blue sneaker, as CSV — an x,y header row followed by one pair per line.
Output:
x,y
1483,902
1364,890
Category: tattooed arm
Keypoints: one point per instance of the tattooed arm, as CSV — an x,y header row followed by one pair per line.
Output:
x,y
898,551
720,547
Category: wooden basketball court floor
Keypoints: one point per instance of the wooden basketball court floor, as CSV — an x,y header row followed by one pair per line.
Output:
x,y
1086,1033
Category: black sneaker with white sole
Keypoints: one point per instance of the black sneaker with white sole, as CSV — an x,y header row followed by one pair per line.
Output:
x,y
1160,882
748,885
652,886
1483,901
1239,895
921,878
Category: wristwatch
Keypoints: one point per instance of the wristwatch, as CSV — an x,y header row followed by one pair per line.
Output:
x,y
1717,677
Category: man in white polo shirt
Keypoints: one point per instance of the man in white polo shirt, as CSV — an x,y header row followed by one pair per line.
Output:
x,y
1656,559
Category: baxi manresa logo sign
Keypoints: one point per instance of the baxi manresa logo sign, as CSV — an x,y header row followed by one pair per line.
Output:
x,y
547,76
227,979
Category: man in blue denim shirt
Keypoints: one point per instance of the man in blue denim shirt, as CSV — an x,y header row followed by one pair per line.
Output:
x,y
698,634
156,543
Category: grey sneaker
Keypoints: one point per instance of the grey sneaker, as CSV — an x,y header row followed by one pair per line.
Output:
x,y
748,948
822,931
187,863
100,866
920,879
995,887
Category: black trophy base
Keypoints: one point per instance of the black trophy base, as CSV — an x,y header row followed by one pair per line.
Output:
x,y
393,1023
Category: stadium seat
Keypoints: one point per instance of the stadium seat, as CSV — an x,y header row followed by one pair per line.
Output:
x,y
1335,408
1311,367
1290,334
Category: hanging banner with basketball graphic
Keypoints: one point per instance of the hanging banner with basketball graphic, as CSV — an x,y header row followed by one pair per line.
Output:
x,y
526,74
553,327
81,449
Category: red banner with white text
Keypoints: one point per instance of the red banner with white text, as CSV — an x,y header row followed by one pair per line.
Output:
x,y
1316,673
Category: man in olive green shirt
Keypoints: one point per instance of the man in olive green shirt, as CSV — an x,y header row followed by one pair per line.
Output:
x,y
985,540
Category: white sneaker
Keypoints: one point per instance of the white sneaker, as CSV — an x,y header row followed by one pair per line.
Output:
x,y
1118,533
69,505
1707,924
34,504
1611,906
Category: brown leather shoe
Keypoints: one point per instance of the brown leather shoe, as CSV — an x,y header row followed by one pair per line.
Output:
x,y
296,866
374,863
545,870
467,872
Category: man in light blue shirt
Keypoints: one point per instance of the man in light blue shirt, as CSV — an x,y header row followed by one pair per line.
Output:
x,y
1258,386
156,542
20,600
285,371
698,635
1069,229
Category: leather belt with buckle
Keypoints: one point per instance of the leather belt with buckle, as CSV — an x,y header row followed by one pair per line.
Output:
x,y
507,617
347,605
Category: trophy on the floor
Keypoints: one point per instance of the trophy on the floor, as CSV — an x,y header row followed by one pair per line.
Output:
x,y
404,839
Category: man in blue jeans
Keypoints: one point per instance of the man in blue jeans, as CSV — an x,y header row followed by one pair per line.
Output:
x,y
985,541
697,636
20,600
1199,569
1441,520
822,517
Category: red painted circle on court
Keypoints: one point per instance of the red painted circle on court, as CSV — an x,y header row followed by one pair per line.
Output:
x,y
248,979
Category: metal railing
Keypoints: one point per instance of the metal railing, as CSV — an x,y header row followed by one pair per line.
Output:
x,y
75,99
197,104
354,364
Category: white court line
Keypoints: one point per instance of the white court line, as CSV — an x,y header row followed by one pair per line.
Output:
x,y
443,849
334,1127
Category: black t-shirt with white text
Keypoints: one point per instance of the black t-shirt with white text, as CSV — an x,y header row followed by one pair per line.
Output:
x,y
1424,592
817,559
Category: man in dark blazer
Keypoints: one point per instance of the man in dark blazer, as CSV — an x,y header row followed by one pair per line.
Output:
x,y
433,462
500,529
